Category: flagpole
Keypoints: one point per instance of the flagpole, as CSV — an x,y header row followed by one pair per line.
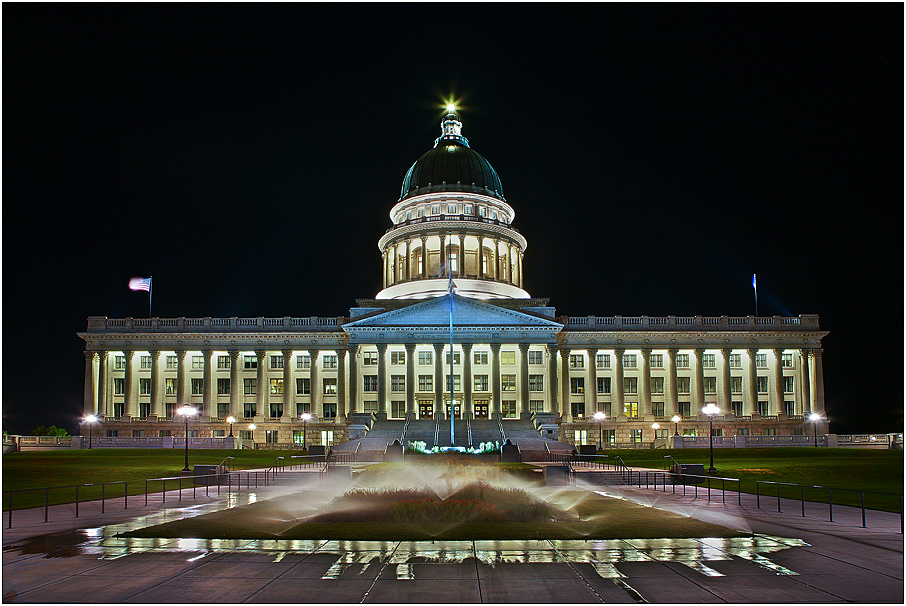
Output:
x,y
755,286
150,286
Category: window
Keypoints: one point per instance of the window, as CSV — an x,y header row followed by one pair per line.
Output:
x,y
685,409
603,384
630,385
761,384
453,259
276,386
609,436
717,431
742,431
689,432
144,409
789,408
708,361
170,386
657,384
249,409
425,383
576,361
330,387
250,362
250,386
170,409
629,361
735,384
197,362
635,436
451,209
508,409
138,433
535,357
481,211
480,357
577,385
397,357
223,387
330,410
369,406
397,409
455,386
369,358
302,408
467,209
145,362
435,209
397,383
536,382
711,385
327,437
369,383
581,437
660,433
329,362
736,407
119,363
508,382
657,409
303,362
223,410
788,384
172,363
223,362
536,405
735,360
507,357
786,360
761,360
276,362
164,433
245,434
197,387
770,431
118,409
656,360
603,360
276,409
682,360
270,436
456,358
764,409
481,382
425,358
218,433
303,386
144,387
682,385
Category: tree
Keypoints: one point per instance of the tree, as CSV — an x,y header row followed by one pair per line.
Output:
x,y
53,430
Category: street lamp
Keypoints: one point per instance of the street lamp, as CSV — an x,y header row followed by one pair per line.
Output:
x,y
655,427
305,418
814,418
91,420
599,417
231,419
711,409
186,412
676,419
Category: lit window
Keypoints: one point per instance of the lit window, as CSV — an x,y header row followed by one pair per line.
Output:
x,y
481,382
330,387
369,358
480,357
398,357
577,385
536,382
507,357
170,386
276,386
508,382
508,409
456,357
787,360
425,358
576,361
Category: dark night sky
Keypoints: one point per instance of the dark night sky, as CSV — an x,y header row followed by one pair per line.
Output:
x,y
656,156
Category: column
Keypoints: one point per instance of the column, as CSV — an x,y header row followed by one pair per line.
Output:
x,y
671,403
353,378
90,395
496,258
645,410
480,256
804,405
723,388
524,380
129,406
438,380
313,379
495,378
776,405
566,410
209,397
261,399
341,380
156,391
443,255
552,377
289,385
182,379
750,403
698,387
236,386
103,377
382,377
384,265
511,270
617,408
521,275
467,380
408,277
461,271
410,377
817,380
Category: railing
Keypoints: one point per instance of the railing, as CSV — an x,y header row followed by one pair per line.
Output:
x,y
806,321
651,479
667,463
437,432
208,324
9,497
502,433
469,430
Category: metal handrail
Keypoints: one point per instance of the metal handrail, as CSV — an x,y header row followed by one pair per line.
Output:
x,y
9,496
437,432
468,430
502,433
355,453
231,466
675,462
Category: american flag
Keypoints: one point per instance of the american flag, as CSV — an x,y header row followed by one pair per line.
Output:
x,y
140,284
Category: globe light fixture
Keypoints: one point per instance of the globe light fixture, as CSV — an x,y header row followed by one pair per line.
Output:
x,y
676,419
306,417
815,418
231,419
711,409
185,412
655,427
599,417
91,420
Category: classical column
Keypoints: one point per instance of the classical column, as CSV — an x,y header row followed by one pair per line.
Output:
x,y
289,384
236,386
353,377
804,405
182,378
524,380
103,377
156,391
129,406
566,409
461,270
698,387
645,410
776,405
496,258
616,390
480,256
410,377
750,402
521,263
384,265
382,377
816,378
511,267
552,377
467,380
671,402
443,253
209,397
424,256
262,398
89,405
408,254
495,378
314,388
438,379
723,389
341,382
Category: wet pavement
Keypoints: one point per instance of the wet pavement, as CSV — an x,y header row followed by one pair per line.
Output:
x,y
788,559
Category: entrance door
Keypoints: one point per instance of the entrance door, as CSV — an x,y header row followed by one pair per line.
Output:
x,y
426,409
456,409
481,409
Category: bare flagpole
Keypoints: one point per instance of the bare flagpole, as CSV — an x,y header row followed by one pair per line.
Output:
x,y
754,285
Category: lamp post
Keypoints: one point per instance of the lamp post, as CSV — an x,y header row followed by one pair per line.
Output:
x,y
599,417
814,418
711,409
252,428
231,419
186,412
676,419
305,418
91,420
655,427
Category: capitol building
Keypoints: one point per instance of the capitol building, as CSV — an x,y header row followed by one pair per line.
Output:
x,y
453,332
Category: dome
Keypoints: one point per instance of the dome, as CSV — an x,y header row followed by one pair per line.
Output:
x,y
451,166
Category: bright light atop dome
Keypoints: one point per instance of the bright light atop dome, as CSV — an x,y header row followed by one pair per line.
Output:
x,y
451,108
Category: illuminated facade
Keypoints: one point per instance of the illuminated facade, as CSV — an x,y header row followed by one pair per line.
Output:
x,y
513,357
